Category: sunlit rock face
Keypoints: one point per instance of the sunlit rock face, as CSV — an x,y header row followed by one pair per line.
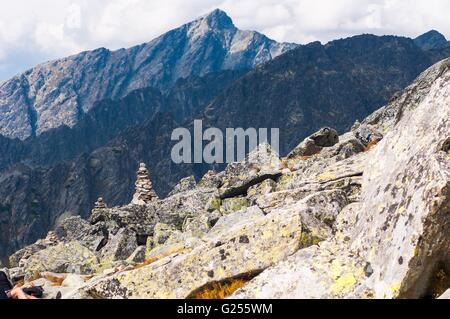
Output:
x,y
395,239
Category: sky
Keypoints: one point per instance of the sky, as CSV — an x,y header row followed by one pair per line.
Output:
x,y
35,31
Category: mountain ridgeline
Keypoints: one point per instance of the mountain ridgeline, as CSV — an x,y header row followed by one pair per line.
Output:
x,y
82,125
60,92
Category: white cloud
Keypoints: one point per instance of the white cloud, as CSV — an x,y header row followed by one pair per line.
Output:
x,y
35,31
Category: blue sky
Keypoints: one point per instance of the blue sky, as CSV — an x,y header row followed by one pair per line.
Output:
x,y
40,30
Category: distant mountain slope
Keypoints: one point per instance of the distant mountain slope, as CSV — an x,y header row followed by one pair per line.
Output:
x,y
33,199
431,40
60,92
108,118
321,85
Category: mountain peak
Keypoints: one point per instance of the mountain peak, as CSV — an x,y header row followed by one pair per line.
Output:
x,y
209,44
431,40
217,19
218,14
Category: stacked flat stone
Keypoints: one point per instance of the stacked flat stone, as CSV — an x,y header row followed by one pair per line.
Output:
x,y
144,189
51,237
100,204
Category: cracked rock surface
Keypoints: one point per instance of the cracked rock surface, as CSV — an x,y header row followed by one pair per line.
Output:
x,y
366,216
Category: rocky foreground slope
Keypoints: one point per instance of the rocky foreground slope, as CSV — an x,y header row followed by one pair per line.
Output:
x,y
63,171
363,215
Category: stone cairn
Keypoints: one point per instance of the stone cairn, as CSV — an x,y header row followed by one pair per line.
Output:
x,y
144,189
100,204
51,238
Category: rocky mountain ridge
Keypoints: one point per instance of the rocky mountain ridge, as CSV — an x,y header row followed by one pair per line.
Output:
x,y
60,92
362,215
432,40
108,118
63,171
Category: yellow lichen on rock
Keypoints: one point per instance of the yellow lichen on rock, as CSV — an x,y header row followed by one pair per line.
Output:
x,y
326,176
345,278
344,284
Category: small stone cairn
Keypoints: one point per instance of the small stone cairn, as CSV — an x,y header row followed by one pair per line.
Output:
x,y
144,194
100,204
51,238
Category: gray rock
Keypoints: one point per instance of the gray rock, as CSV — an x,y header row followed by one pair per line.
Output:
x,y
199,225
326,137
211,180
162,232
241,217
64,258
242,250
388,245
239,244
19,257
176,209
367,134
138,256
265,188
141,219
77,229
120,246
314,144
261,164
186,184
231,205
406,199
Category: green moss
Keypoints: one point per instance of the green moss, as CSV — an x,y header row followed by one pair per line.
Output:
x,y
283,182
104,264
214,204
232,205
308,239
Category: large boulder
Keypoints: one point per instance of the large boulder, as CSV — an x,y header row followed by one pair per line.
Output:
x,y
64,258
261,164
120,246
186,184
404,226
176,209
239,245
314,144
77,229
19,258
141,219
399,235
